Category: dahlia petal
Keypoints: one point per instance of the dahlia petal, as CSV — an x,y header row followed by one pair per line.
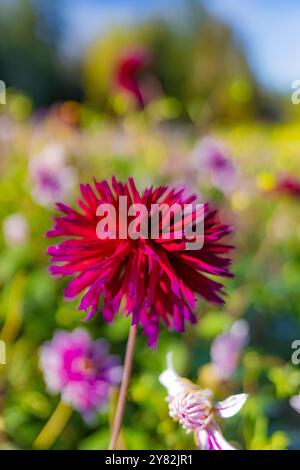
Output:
x,y
89,302
178,319
151,328
203,440
211,438
231,405
108,312
171,380
188,294
189,315
78,284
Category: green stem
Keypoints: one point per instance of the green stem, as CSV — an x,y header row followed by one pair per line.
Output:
x,y
54,427
124,386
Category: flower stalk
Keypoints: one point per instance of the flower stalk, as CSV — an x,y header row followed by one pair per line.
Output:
x,y
118,419
54,427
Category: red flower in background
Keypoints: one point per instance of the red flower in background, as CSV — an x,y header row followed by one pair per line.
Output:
x,y
131,64
288,185
157,279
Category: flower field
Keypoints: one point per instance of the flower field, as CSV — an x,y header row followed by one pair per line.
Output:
x,y
191,338
264,291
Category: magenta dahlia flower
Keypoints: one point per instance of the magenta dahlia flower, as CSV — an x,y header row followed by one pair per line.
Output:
x,y
157,278
131,64
194,410
80,370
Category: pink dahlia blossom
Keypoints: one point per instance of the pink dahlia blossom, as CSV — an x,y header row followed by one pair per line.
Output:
x,y
226,348
157,278
80,370
194,410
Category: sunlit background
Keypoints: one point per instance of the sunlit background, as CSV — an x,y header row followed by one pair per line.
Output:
x,y
211,79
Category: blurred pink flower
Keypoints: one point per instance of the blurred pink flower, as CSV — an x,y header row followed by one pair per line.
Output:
x,y
7,130
15,229
295,403
80,370
226,348
194,410
52,180
288,185
131,63
210,156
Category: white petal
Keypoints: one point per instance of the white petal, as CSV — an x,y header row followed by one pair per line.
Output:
x,y
231,405
211,438
295,403
202,439
171,380
217,438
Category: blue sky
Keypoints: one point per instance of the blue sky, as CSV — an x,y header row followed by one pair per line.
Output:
x,y
268,29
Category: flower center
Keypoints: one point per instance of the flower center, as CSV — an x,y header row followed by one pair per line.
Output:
x,y
86,365
191,408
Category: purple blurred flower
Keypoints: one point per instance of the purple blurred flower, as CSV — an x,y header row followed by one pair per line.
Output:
x,y
226,348
211,157
295,403
194,410
80,370
15,229
51,178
